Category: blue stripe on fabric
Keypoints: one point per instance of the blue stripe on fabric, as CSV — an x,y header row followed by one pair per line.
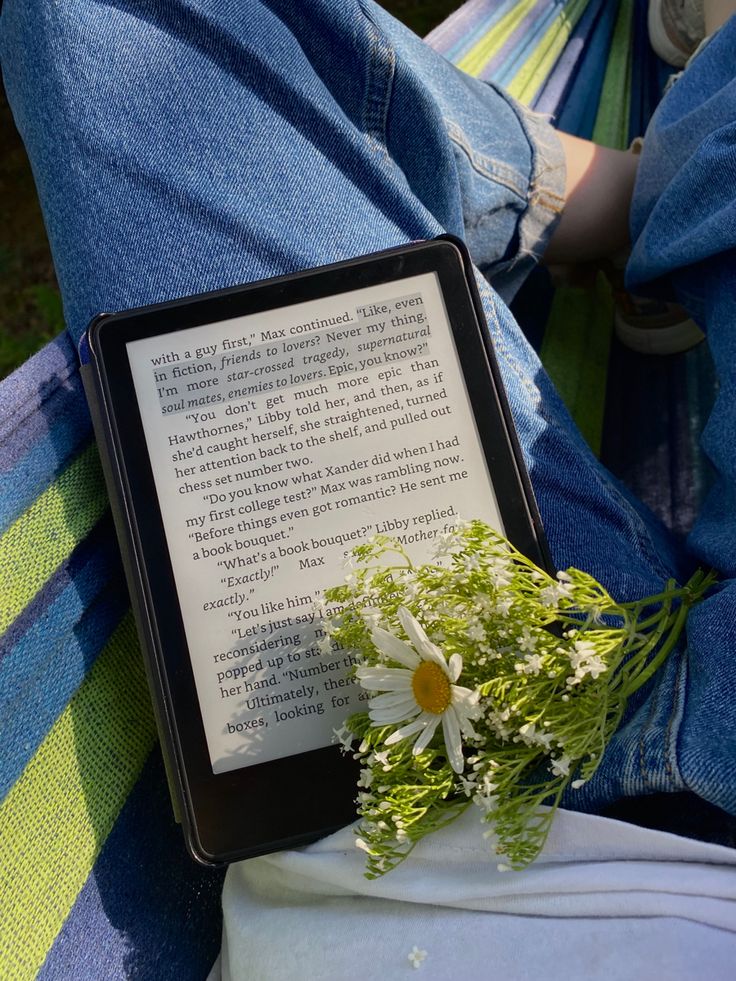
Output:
x,y
535,25
642,438
37,418
48,662
25,392
579,112
458,25
26,387
461,47
517,38
553,93
44,423
147,911
532,304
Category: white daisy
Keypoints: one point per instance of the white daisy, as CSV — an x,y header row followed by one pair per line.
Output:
x,y
422,693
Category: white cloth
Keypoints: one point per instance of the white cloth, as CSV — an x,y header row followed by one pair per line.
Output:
x,y
605,900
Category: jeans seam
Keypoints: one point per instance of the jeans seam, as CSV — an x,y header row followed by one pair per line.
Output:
x,y
674,723
501,349
495,170
643,769
671,768
381,56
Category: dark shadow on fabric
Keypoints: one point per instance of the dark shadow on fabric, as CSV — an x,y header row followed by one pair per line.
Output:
x,y
656,408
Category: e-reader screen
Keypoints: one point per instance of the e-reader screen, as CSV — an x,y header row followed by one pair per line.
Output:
x,y
278,441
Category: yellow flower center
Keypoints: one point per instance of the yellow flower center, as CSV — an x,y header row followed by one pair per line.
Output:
x,y
431,687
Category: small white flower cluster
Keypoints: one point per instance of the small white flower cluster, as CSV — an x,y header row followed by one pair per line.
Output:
x,y
585,661
489,682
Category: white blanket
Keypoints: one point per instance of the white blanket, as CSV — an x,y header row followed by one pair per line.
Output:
x,y
605,900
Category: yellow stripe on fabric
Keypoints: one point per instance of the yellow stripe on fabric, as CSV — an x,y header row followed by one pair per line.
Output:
x,y
44,535
55,819
483,50
537,67
575,352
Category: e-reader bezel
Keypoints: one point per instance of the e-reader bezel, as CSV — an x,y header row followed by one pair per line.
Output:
x,y
293,800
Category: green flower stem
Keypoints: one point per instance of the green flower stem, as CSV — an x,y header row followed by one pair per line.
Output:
x,y
638,678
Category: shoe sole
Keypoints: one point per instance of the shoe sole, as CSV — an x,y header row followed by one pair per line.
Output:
x,y
660,39
675,339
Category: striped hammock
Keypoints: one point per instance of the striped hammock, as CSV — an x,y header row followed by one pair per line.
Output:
x,y
94,880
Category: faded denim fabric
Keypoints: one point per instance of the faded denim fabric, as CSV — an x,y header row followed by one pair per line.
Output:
x,y
186,146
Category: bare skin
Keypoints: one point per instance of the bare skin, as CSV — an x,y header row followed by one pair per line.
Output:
x,y
599,184
717,12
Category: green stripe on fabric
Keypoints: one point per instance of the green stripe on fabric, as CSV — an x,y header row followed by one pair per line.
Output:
x,y
575,353
612,122
57,816
538,65
44,535
474,61
577,337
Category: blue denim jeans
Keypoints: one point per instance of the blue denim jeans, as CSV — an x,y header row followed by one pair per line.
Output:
x,y
185,145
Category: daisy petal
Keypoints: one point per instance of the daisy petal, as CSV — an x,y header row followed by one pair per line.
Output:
x,y
464,698
424,738
466,727
422,643
392,699
453,743
385,716
456,666
416,726
394,648
384,679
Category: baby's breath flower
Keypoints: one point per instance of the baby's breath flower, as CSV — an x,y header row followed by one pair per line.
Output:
x,y
503,605
372,616
366,777
561,767
528,733
527,641
343,736
383,760
325,644
416,956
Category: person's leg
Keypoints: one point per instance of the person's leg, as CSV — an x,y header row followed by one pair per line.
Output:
x,y
598,189
716,13
183,147
684,235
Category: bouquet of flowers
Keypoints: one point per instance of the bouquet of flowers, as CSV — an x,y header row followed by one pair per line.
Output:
x,y
491,683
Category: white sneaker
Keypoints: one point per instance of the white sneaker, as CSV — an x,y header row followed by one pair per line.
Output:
x,y
676,28
654,327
